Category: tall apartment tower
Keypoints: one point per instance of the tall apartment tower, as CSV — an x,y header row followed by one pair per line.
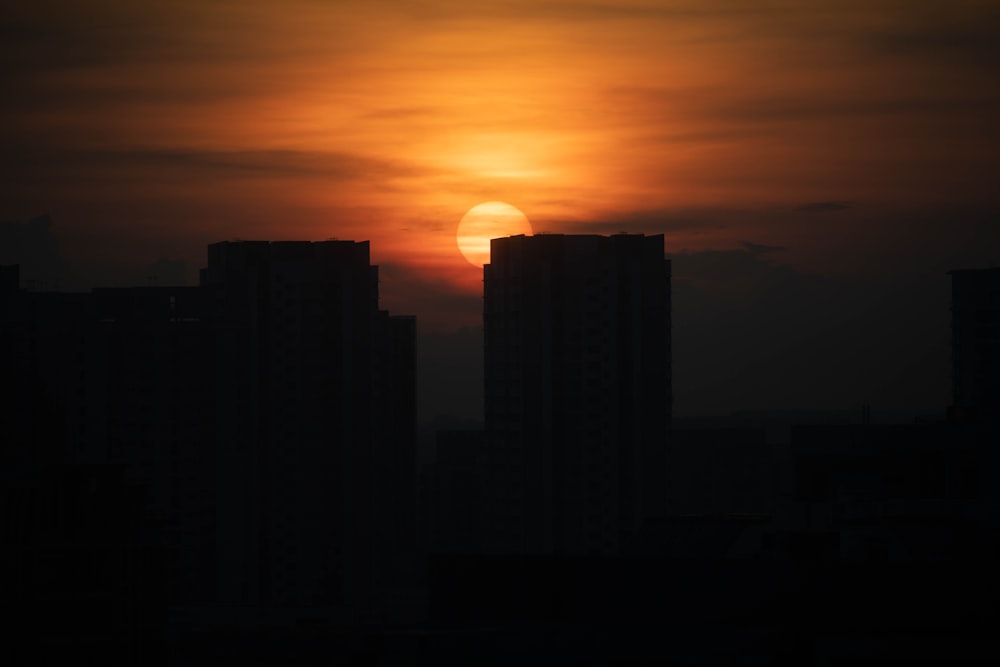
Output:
x,y
975,344
578,390
269,414
314,421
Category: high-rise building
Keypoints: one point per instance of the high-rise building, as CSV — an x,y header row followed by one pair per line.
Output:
x,y
578,390
118,376
314,411
43,353
147,403
268,413
975,344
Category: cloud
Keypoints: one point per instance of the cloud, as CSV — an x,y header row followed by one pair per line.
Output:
x,y
33,162
824,206
656,221
736,108
735,274
760,248
61,34
961,32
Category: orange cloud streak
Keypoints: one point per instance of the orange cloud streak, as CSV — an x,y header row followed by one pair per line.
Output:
x,y
388,120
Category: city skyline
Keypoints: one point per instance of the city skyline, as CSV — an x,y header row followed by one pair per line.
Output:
x,y
825,164
741,315
186,463
578,390
504,332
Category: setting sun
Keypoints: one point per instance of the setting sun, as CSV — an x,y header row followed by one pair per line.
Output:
x,y
486,221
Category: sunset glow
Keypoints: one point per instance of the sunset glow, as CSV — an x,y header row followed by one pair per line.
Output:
x,y
486,221
166,126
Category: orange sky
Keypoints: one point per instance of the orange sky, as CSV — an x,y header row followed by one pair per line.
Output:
x,y
150,129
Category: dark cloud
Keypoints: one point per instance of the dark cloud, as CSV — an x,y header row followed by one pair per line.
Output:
x,y
402,113
21,162
647,222
824,206
48,35
786,107
729,105
760,248
747,271
676,11
64,34
940,32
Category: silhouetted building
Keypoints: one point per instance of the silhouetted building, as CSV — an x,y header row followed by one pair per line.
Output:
x,y
578,390
269,414
314,409
43,344
394,453
82,569
975,344
148,403
119,376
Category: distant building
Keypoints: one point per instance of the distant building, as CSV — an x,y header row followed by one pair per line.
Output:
x,y
578,390
10,278
720,470
975,344
453,489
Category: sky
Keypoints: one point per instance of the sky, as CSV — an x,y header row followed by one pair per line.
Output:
x,y
816,168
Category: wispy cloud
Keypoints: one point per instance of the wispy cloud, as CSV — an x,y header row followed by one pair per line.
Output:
x,y
21,162
707,122
824,206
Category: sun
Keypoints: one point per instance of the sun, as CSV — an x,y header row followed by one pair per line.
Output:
x,y
489,220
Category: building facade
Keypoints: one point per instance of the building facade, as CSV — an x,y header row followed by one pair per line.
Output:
x,y
314,421
975,344
577,390
269,414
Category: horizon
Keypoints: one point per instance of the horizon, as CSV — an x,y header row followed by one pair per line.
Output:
x,y
450,382
816,170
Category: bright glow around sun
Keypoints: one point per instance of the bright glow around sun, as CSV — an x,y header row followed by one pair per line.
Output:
x,y
486,221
